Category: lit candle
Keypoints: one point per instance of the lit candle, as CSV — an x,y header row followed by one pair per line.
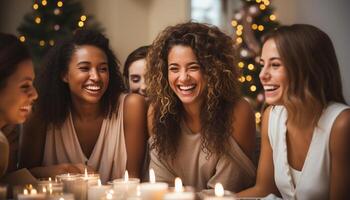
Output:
x,y
49,186
126,187
180,192
60,197
31,194
75,184
219,194
97,191
91,179
153,190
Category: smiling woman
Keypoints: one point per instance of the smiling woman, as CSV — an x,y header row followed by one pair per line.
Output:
x,y
84,118
17,92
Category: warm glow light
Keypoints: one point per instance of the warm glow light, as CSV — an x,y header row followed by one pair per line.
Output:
x,y
59,3
99,182
266,2
22,38
260,27
251,67
257,114
241,79
44,2
44,189
219,190
178,185
33,191
253,88
239,40
152,176
272,17
241,64
51,42
239,32
35,6
248,78
37,20
42,43
85,172
258,1
234,23
80,24
25,191
262,7
254,26
239,27
126,176
83,18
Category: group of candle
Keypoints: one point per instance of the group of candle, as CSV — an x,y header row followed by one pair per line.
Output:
x,y
89,187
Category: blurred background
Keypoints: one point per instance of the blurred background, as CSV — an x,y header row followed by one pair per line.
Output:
x,y
133,23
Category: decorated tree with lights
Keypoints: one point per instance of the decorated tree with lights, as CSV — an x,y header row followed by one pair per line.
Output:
x,y
50,21
250,23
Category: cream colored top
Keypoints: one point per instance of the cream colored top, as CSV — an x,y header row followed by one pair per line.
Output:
x,y
314,178
4,154
235,171
108,157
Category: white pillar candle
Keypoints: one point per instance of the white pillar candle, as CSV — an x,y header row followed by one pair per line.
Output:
x,y
31,194
219,194
179,192
75,184
98,191
50,186
92,179
153,190
60,197
125,187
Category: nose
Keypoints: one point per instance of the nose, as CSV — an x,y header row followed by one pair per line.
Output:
x,y
264,74
184,76
34,94
143,87
94,75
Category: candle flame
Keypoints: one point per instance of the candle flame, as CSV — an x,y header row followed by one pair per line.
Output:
x,y
25,191
126,176
50,179
178,185
138,192
219,190
86,174
61,198
68,174
152,176
44,189
99,182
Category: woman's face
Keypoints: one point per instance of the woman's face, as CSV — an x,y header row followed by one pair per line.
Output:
x,y
137,71
87,75
18,95
273,75
185,76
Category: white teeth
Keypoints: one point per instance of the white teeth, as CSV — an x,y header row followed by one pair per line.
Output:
x,y
270,87
27,108
93,87
186,87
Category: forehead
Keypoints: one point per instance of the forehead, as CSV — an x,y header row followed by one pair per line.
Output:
x,y
87,52
181,51
269,49
24,71
137,67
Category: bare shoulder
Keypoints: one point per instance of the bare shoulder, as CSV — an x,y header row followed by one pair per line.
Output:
x,y
340,133
150,120
132,100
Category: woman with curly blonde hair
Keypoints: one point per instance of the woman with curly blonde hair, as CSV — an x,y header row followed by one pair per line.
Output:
x,y
202,130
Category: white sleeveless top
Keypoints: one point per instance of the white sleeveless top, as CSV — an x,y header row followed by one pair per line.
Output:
x,y
108,157
4,153
314,178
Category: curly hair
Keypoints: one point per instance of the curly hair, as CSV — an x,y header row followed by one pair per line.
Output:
x,y
312,67
12,52
137,54
215,54
55,101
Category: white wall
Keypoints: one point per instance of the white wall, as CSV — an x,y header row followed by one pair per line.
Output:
x,y
333,17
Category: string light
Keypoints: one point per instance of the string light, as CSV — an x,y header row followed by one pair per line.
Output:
x,y
239,32
248,78
37,20
241,64
240,27
44,2
51,42
252,88
258,115
35,6
272,17
262,7
241,79
56,11
260,27
254,26
56,27
59,3
239,40
80,24
258,1
83,18
266,2
251,67
42,43
234,23
22,38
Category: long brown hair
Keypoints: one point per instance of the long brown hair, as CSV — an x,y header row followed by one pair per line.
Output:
x,y
215,54
312,67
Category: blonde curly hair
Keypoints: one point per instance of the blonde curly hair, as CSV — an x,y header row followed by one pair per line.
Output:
x,y
216,56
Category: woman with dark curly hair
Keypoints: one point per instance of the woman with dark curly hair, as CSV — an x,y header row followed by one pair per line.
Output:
x,y
17,92
202,130
83,116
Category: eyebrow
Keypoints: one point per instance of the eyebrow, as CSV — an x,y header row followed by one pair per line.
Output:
x,y
191,63
27,78
273,58
87,62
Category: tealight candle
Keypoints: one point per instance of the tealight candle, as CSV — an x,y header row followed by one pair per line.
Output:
x,y
219,194
73,183
126,187
31,194
60,197
91,179
97,191
179,192
153,190
50,186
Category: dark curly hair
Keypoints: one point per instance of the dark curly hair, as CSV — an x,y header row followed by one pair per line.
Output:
x,y
215,54
137,54
12,52
54,102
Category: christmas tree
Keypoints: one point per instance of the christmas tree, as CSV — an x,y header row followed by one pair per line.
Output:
x,y
250,23
50,21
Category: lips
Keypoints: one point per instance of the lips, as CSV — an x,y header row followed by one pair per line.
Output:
x,y
93,89
186,89
26,109
270,88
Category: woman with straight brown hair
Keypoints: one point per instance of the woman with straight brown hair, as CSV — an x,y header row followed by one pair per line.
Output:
x,y
306,131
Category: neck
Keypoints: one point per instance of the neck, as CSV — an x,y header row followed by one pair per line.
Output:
x,y
86,111
307,116
192,113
